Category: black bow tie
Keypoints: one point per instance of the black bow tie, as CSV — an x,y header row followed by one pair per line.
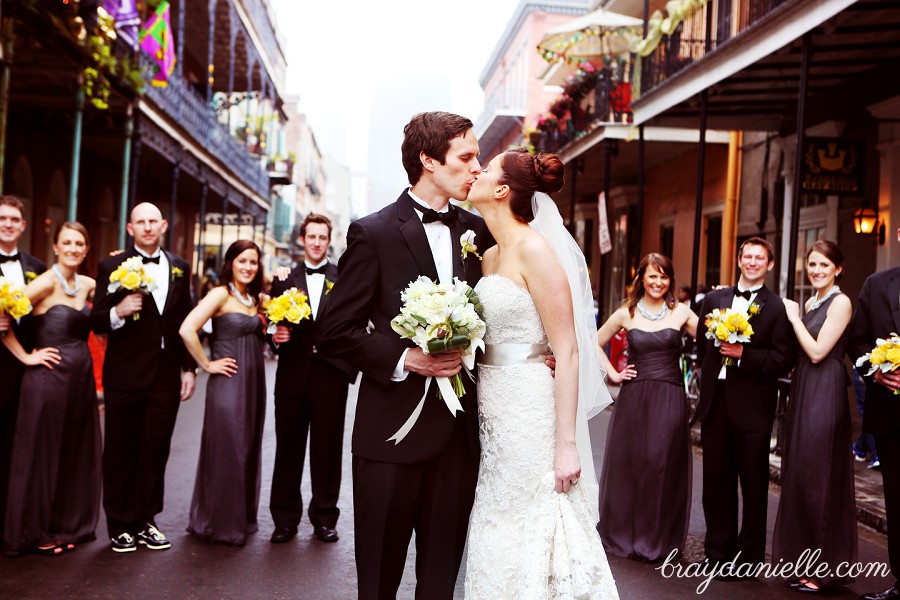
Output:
x,y
151,259
429,215
10,258
746,293
317,270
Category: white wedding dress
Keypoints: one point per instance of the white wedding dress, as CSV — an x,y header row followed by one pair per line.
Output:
x,y
526,541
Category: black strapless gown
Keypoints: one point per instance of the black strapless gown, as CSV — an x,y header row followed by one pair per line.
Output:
x,y
55,474
226,491
817,510
645,487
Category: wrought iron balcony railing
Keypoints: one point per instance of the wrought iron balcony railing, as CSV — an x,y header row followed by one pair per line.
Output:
x,y
703,33
188,109
609,104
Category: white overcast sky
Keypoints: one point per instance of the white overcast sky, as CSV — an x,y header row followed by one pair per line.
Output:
x,y
363,68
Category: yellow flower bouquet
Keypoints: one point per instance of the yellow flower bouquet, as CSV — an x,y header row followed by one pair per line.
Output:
x,y
13,301
884,357
131,276
728,325
292,306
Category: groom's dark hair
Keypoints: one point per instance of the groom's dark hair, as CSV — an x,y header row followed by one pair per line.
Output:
x,y
430,133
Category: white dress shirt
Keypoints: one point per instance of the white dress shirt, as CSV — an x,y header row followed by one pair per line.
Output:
x,y
13,270
740,304
441,245
315,283
160,274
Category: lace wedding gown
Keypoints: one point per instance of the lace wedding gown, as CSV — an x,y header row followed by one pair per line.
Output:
x,y
525,540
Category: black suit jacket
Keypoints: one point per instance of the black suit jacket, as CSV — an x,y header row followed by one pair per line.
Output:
x,y
134,352
10,367
294,356
385,252
751,389
877,316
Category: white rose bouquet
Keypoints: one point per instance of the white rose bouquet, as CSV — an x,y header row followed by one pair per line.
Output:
x,y
439,317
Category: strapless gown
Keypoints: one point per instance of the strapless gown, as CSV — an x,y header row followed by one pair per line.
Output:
x,y
525,540
55,476
645,487
226,491
817,510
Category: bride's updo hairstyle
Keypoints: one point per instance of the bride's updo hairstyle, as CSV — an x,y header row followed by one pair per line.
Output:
x,y
526,174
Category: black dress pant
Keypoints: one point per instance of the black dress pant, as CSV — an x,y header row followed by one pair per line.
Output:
x,y
731,455
888,448
318,410
138,434
9,412
433,499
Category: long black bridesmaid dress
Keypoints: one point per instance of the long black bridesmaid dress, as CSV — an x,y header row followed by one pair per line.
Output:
x,y
645,488
818,501
226,491
55,476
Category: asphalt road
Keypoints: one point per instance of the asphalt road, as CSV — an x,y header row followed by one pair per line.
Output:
x,y
308,569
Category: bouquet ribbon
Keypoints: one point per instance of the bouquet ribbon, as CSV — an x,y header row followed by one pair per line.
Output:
x,y
447,394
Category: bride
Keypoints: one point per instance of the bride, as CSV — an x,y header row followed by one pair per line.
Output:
x,y
532,530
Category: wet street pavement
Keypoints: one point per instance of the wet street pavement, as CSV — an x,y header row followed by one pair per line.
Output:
x,y
308,569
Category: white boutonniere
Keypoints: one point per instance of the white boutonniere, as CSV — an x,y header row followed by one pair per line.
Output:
x,y
467,242
177,273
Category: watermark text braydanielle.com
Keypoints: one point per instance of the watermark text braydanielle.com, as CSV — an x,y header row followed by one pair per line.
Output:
x,y
807,566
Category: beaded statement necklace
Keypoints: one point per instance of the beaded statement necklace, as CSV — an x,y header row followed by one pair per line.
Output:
x,y
657,316
69,291
246,300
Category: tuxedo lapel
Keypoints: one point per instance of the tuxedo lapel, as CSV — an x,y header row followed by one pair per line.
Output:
x,y
413,233
727,299
893,291
459,267
170,292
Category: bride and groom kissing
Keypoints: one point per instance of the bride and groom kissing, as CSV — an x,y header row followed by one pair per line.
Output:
x,y
518,457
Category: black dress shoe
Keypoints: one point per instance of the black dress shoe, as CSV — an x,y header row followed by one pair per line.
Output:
x,y
283,534
325,534
891,592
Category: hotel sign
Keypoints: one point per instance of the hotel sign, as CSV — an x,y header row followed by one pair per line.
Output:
x,y
833,166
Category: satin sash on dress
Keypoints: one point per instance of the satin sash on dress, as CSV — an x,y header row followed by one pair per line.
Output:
x,y
509,355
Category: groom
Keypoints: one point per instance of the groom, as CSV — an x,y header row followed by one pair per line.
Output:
x,y
426,482
737,409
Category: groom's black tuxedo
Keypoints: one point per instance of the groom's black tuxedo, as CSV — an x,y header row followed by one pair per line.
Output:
x,y
11,371
737,415
310,400
877,316
142,382
426,482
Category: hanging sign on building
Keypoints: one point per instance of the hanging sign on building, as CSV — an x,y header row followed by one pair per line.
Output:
x,y
833,166
605,241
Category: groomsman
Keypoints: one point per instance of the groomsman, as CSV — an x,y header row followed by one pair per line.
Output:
x,y
145,373
877,316
425,483
737,410
18,268
310,397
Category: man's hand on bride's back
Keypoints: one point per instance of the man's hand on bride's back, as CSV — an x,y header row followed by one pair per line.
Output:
x,y
440,364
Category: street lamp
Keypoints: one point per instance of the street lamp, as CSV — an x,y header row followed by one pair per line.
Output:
x,y
866,222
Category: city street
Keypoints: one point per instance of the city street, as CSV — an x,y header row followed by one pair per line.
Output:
x,y
306,568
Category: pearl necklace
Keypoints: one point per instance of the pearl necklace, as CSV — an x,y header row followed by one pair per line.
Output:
x,y
69,291
246,300
817,302
658,316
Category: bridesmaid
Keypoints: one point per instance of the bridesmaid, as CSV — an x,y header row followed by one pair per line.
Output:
x,y
818,506
226,491
645,488
54,492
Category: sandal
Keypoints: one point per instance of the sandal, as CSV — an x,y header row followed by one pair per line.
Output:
x,y
49,550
